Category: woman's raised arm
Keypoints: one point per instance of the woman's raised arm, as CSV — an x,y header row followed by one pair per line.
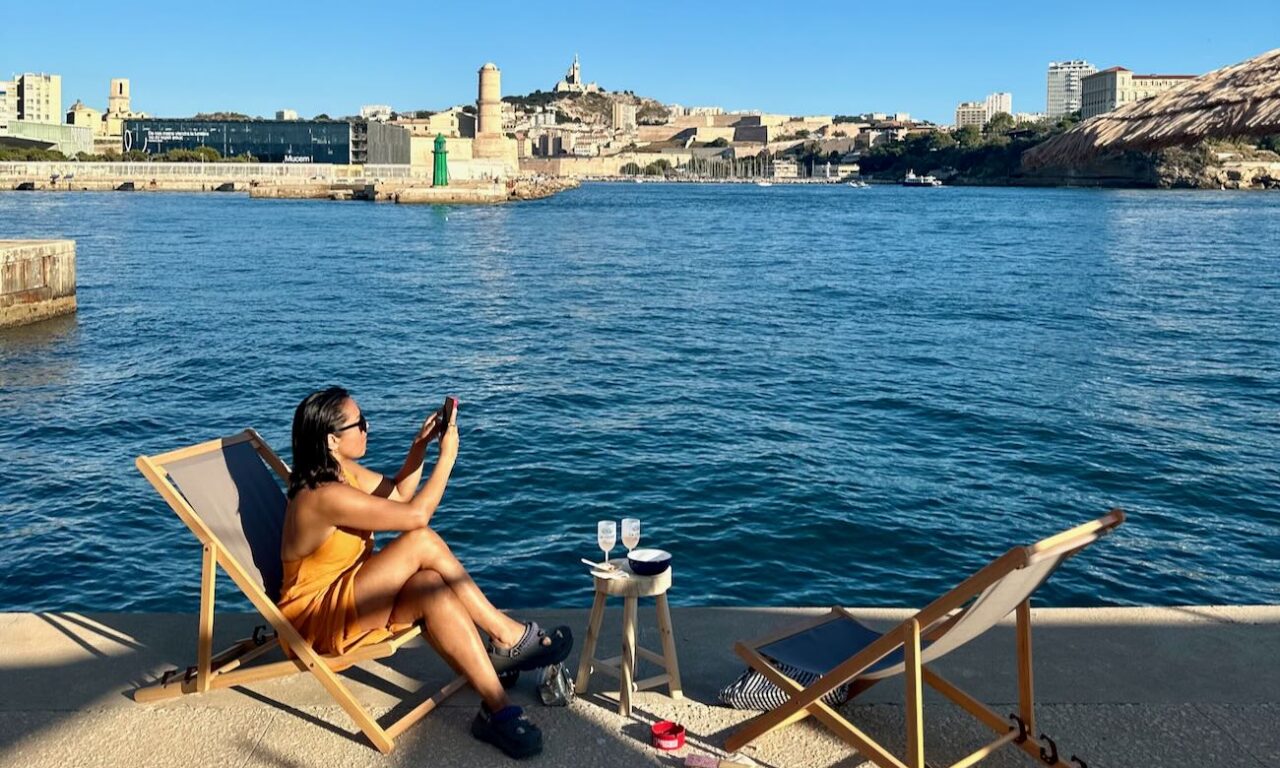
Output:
x,y
342,505
406,480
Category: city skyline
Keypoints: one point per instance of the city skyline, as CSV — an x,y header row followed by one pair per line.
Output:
x,y
293,58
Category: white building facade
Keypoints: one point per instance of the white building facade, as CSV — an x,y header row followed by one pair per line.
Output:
x,y
999,102
971,113
624,117
40,98
1064,89
1112,88
8,102
785,169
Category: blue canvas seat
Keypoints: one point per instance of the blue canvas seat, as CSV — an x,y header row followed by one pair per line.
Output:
x,y
820,649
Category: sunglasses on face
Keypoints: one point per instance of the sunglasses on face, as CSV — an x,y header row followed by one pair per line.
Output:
x,y
362,423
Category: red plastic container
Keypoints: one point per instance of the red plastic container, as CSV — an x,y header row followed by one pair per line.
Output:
x,y
667,735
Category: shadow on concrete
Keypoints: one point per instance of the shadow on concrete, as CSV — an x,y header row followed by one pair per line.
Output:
x,y
1165,687
354,736
67,622
639,728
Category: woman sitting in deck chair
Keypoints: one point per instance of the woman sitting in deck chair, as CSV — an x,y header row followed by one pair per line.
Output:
x,y
340,594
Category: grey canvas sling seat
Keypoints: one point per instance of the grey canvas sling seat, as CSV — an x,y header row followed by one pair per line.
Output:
x,y
241,503
841,650
821,648
229,493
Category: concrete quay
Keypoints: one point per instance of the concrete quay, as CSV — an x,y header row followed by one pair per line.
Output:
x,y
1120,687
71,176
407,192
318,181
37,280
386,192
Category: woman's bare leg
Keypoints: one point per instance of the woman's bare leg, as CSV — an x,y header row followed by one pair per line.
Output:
x,y
380,580
450,630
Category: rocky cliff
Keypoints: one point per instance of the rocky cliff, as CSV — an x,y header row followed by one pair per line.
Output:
x,y
1203,166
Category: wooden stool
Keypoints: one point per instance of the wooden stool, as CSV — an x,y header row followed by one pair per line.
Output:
x,y
623,667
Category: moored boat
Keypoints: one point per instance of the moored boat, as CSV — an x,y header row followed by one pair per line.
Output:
x,y
912,180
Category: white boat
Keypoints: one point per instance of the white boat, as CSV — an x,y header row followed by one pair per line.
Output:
x,y
764,183
912,180
857,183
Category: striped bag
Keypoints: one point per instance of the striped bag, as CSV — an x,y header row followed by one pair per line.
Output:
x,y
752,690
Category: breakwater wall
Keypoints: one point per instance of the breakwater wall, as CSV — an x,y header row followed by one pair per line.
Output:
x,y
188,177
37,280
208,177
469,181
416,193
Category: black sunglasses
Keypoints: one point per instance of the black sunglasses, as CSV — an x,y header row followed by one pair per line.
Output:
x,y
362,423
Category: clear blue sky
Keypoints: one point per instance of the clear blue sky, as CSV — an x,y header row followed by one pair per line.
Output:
x,y
818,57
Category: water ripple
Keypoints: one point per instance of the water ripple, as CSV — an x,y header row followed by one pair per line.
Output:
x,y
811,396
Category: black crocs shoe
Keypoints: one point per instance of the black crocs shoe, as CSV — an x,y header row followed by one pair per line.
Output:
x,y
509,678
530,652
508,730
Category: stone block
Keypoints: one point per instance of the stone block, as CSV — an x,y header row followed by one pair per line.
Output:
x,y
37,280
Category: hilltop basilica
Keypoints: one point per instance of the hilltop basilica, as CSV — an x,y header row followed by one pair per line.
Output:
x,y
572,82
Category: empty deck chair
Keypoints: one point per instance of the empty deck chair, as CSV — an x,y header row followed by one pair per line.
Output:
x,y
224,492
843,651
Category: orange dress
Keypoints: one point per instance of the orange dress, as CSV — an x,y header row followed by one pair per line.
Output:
x,y
318,593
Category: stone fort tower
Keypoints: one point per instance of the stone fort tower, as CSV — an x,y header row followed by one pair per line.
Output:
x,y
118,99
490,142
489,103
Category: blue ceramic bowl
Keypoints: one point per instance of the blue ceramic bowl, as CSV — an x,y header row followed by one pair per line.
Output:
x,y
648,562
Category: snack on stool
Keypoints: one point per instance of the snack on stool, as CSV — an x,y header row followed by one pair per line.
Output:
x,y
631,589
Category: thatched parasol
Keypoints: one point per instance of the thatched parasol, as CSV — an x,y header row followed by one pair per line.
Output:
x,y
1239,100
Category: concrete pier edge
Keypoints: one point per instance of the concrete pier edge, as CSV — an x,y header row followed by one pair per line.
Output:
x,y
1175,686
37,280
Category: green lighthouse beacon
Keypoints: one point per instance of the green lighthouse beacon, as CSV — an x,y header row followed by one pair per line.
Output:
x,y
440,175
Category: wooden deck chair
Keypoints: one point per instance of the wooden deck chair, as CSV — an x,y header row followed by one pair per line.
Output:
x,y
843,651
224,492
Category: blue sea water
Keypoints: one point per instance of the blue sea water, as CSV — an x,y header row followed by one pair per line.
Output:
x,y
809,395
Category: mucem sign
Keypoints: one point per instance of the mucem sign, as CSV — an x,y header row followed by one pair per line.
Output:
x,y
268,141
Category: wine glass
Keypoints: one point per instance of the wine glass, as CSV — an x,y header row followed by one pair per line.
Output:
x,y
606,536
630,533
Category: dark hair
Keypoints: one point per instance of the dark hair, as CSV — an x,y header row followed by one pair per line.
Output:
x,y
317,416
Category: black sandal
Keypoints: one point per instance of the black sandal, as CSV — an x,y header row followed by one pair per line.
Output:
x,y
530,652
508,730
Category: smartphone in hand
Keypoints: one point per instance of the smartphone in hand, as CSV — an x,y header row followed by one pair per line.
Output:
x,y
450,407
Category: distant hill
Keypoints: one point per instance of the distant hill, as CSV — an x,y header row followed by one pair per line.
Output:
x,y
591,108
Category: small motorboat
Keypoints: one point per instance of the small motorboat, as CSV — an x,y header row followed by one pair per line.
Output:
x,y
912,180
